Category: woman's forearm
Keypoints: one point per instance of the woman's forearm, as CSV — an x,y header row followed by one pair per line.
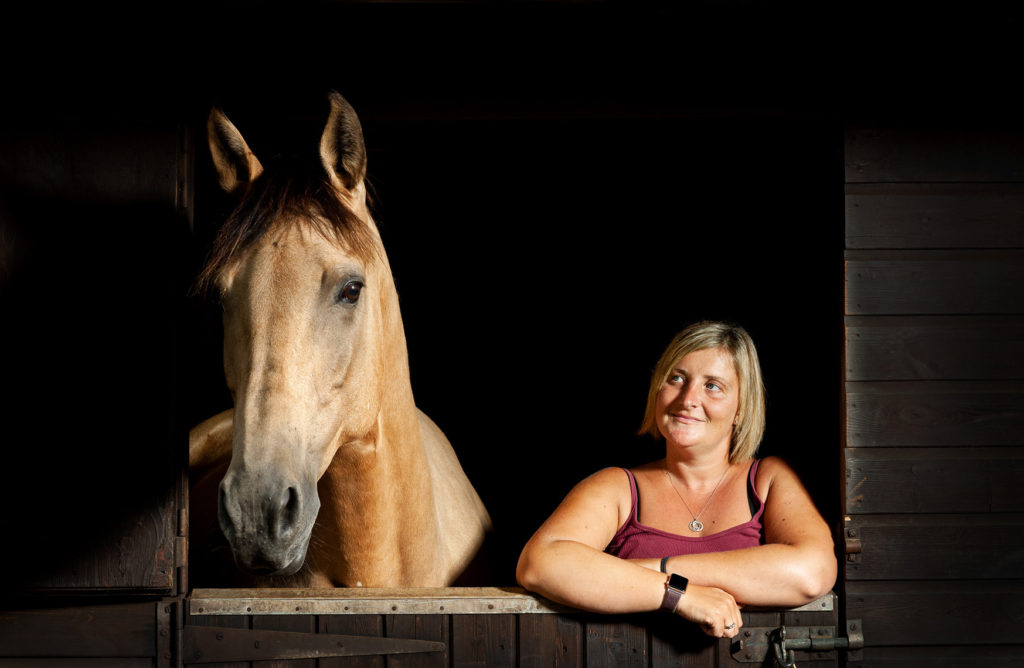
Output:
x,y
767,575
575,574
583,577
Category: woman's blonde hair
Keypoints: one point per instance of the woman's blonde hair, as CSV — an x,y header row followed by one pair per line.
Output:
x,y
749,429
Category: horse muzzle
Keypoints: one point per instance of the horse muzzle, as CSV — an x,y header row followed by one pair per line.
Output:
x,y
267,521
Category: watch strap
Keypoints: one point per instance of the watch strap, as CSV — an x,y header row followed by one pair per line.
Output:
x,y
675,587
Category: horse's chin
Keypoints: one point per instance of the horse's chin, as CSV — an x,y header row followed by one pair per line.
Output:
x,y
269,567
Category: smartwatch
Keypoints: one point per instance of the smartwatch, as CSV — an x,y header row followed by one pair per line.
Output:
x,y
675,587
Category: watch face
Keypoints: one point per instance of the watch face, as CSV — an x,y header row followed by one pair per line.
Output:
x,y
678,582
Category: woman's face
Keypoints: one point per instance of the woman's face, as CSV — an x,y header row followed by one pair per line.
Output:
x,y
699,402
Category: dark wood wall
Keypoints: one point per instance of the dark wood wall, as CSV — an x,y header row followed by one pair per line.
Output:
x,y
934,398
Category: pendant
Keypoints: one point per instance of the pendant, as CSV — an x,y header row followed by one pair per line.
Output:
x,y
696,526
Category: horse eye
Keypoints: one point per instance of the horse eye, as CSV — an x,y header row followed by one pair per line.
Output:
x,y
350,293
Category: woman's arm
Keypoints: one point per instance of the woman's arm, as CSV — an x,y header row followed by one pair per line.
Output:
x,y
796,565
565,562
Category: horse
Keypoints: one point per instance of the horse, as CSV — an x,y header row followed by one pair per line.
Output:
x,y
324,473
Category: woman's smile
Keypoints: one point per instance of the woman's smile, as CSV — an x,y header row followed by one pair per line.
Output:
x,y
699,400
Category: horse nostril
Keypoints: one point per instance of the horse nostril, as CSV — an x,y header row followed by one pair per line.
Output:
x,y
286,515
227,524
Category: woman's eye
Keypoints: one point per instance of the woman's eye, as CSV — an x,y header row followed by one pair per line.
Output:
x,y
350,292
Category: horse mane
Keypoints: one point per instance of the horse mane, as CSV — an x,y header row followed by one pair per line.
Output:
x,y
301,189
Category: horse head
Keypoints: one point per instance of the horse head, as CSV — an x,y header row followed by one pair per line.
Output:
x,y
310,320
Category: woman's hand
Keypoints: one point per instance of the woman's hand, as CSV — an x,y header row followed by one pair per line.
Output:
x,y
714,609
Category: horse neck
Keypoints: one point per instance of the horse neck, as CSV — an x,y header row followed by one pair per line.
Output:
x,y
385,518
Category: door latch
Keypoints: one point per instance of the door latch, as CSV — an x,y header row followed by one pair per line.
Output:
x,y
754,644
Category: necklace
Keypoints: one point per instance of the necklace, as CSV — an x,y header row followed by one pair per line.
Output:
x,y
696,526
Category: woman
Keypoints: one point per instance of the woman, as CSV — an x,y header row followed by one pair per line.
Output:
x,y
702,531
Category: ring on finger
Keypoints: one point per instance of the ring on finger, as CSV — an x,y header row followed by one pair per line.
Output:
x,y
730,627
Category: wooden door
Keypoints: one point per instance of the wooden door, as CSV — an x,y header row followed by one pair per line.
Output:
x,y
487,626
934,397
94,220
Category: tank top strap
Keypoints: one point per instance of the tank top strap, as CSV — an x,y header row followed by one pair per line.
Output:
x,y
754,500
633,495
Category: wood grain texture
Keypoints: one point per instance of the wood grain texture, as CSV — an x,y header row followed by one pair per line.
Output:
x,y
941,656
938,612
917,547
934,414
948,154
356,625
934,215
550,640
934,480
90,631
934,348
295,623
483,640
927,282
616,642
419,627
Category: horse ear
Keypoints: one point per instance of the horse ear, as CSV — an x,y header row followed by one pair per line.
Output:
x,y
342,150
236,164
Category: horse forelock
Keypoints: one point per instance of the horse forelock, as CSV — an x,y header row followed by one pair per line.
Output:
x,y
300,192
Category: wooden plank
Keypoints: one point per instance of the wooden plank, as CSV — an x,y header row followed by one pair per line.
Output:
x,y
934,480
77,663
483,640
922,282
930,215
918,547
934,348
299,623
550,640
226,621
356,625
941,656
938,612
616,642
919,154
419,627
934,413
363,600
94,631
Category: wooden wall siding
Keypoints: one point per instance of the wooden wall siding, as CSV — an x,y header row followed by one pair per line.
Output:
x,y
915,546
108,634
923,282
105,210
934,413
918,348
529,637
934,215
934,395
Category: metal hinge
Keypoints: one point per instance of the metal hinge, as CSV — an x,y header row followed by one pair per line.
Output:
x,y
852,545
211,644
755,644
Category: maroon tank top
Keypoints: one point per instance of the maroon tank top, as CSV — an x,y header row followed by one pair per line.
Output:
x,y
638,541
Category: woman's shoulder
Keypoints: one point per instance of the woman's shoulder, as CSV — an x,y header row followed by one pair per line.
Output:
x,y
611,483
771,471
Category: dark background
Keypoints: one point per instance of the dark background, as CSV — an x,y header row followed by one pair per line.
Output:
x,y
560,187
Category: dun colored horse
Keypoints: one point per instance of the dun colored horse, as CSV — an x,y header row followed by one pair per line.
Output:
x,y
324,473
